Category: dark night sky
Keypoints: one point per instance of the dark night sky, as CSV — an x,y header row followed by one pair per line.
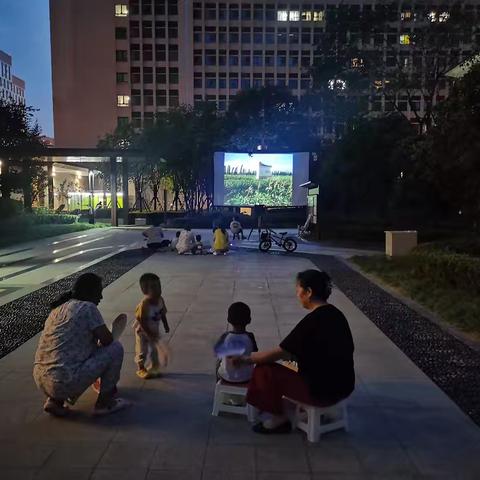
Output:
x,y
25,35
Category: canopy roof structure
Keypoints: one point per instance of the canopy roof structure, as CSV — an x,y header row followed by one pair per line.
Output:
x,y
463,68
88,157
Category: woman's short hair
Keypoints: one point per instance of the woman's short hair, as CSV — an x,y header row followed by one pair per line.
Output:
x,y
85,288
317,281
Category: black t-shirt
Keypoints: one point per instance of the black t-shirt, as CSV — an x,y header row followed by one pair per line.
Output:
x,y
322,344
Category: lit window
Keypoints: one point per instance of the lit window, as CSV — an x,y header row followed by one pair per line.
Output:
x,y
444,16
357,62
404,39
432,16
121,10
337,84
405,16
294,15
123,100
318,16
282,16
306,16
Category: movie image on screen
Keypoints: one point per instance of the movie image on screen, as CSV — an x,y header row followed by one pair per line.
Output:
x,y
270,179
258,179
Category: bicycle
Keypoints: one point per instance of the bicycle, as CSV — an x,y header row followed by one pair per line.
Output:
x,y
270,237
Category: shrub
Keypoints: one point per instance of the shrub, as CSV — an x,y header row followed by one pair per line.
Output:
x,y
10,207
451,270
28,220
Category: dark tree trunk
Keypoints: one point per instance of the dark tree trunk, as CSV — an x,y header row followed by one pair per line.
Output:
x,y
5,188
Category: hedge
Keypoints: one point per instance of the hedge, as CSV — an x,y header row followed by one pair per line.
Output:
x,y
27,220
458,271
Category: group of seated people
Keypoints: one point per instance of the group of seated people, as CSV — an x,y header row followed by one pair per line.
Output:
x,y
186,242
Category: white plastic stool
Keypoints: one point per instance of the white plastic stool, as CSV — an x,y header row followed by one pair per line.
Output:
x,y
310,419
224,388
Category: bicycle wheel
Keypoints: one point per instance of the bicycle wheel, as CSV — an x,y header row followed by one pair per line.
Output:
x,y
289,244
265,245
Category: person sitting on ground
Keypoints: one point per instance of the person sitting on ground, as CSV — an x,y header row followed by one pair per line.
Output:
x,y
186,241
236,228
220,241
76,348
173,243
239,316
321,344
155,238
198,249
148,315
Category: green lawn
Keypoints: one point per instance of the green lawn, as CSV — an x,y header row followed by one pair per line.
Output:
x,y
455,304
247,190
12,236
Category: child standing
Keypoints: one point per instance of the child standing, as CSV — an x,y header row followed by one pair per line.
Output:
x,y
239,316
148,315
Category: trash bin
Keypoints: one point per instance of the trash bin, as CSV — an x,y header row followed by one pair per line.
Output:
x,y
398,243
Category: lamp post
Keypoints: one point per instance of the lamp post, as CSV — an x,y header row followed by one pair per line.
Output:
x,y
91,187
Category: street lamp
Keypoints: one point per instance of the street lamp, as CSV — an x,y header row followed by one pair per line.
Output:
x,y
91,187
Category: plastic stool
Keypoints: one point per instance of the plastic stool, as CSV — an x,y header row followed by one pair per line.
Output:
x,y
224,388
310,418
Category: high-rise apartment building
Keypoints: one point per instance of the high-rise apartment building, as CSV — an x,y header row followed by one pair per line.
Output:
x,y
121,61
12,88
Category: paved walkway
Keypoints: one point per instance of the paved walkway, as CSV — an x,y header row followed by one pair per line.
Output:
x,y
402,425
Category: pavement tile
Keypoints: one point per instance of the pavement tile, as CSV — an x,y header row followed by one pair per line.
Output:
x,y
76,455
137,473
23,455
128,454
333,458
174,475
236,458
65,473
283,476
17,473
178,455
215,474
281,459
386,458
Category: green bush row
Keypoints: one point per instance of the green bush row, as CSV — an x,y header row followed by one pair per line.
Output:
x,y
453,270
26,220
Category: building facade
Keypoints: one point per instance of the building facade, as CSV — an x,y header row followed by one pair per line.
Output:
x,y
12,88
121,61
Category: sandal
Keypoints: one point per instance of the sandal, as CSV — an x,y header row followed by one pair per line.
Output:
x,y
283,428
115,406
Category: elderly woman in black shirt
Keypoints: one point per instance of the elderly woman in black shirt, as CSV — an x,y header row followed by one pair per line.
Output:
x,y
321,344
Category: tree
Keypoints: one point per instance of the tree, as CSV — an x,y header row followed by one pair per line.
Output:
x,y
182,143
269,118
125,137
395,53
20,144
448,158
64,189
363,171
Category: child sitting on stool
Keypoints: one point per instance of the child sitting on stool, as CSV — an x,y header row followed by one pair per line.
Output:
x,y
239,316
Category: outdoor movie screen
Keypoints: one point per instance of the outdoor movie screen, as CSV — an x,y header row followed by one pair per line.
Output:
x,y
271,179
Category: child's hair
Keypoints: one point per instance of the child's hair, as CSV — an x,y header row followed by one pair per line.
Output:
x,y
239,314
147,279
198,238
178,233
